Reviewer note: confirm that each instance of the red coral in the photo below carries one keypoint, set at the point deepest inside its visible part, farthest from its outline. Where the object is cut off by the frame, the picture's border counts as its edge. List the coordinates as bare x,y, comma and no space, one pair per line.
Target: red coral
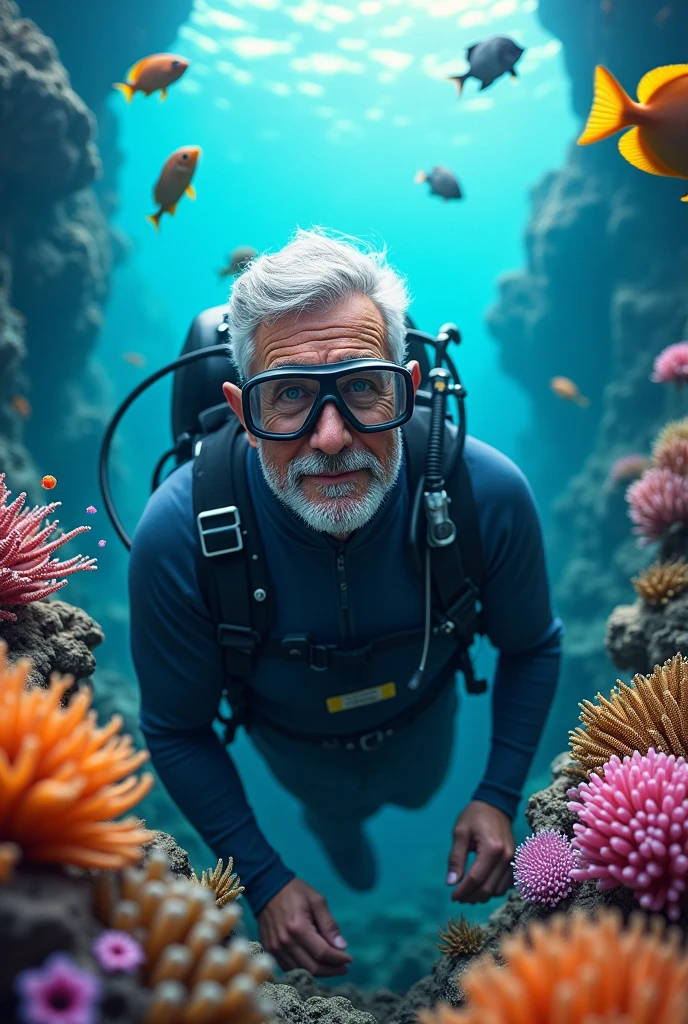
27,572
657,501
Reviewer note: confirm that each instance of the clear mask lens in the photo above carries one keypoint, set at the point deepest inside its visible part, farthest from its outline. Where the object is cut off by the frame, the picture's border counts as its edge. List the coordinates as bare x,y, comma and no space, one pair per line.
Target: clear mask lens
373,397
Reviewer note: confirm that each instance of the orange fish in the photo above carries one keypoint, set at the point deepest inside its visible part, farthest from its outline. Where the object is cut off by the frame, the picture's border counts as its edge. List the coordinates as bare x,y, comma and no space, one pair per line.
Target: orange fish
658,142
135,358
48,482
22,406
152,73
174,181
565,388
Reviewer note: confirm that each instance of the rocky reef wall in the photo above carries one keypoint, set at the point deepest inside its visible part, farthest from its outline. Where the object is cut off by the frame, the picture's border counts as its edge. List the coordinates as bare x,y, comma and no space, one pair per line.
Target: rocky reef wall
603,291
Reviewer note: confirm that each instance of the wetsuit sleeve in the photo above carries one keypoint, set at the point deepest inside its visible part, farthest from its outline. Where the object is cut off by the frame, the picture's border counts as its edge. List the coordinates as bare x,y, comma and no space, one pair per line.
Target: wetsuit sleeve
180,673
519,622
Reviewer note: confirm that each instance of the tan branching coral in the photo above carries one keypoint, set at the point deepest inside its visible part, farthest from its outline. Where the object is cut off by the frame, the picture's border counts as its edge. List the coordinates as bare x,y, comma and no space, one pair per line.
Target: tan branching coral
195,978
673,455
460,938
651,711
675,430
661,582
224,885
10,854
63,779
573,970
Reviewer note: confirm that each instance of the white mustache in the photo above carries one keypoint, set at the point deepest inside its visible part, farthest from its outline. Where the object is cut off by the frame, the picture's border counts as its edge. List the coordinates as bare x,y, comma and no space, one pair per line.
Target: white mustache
346,461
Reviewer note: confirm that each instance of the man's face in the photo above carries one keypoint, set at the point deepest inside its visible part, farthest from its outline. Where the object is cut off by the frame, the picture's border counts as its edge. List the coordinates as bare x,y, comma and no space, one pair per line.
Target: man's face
333,476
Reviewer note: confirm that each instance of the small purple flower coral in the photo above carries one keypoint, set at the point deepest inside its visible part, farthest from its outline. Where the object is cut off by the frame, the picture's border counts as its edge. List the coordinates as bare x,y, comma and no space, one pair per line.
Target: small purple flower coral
671,365
118,951
542,867
58,992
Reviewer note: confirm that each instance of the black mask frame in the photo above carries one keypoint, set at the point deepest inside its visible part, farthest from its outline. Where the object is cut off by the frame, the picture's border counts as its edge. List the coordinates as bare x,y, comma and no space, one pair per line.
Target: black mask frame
326,374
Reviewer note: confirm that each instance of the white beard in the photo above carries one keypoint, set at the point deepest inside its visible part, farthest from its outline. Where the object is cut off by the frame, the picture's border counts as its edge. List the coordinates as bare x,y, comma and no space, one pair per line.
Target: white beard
339,512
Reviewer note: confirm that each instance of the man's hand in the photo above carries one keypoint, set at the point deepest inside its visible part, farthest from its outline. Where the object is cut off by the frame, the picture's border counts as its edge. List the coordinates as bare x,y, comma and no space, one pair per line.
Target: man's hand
486,830
298,929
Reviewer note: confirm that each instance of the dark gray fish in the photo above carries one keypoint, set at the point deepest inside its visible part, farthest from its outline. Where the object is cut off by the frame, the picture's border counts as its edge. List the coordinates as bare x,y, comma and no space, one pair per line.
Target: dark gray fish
238,260
442,183
489,60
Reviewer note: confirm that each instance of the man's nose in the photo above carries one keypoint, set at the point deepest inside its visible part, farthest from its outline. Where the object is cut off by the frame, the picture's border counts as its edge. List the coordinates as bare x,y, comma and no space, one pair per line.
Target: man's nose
331,432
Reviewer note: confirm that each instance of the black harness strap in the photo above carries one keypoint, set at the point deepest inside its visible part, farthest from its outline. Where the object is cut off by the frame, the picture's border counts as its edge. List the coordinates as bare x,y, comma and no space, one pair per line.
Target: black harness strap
236,587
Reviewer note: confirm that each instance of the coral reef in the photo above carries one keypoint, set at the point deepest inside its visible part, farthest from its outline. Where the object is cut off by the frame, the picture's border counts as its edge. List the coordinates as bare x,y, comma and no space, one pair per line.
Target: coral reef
627,467
62,779
661,582
671,365
657,501
26,570
542,868
639,636
223,884
633,829
650,712
460,937
561,972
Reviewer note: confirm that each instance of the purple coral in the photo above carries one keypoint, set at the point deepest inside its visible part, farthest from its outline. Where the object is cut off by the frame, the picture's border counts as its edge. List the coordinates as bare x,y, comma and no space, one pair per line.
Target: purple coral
657,501
542,867
633,828
27,572
671,365
58,992
118,951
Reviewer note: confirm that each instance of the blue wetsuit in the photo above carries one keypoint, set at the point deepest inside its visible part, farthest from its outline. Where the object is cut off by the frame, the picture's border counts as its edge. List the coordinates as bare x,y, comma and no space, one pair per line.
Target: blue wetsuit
346,594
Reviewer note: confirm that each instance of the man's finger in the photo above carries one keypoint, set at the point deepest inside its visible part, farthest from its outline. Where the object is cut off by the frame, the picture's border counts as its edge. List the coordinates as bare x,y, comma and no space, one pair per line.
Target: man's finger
458,856
317,948
326,924
479,871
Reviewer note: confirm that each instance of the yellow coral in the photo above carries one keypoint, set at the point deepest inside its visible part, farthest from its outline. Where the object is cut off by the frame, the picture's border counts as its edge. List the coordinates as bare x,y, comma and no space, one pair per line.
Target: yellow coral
673,431
461,938
573,970
673,455
62,779
194,977
224,885
661,582
650,712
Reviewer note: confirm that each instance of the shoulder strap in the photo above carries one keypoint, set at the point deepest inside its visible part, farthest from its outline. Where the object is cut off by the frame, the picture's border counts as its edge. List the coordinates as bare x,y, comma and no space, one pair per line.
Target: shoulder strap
231,568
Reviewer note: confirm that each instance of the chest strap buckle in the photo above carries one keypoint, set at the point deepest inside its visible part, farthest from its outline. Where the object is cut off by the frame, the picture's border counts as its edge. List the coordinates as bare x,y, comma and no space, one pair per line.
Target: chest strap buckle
299,648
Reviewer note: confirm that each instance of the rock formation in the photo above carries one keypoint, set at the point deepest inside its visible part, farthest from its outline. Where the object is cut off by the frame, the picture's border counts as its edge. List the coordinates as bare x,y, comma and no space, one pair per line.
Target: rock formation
602,293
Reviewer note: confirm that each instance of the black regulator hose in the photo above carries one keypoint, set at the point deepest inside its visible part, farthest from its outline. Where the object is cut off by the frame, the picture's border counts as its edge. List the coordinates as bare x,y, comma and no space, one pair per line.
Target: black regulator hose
103,470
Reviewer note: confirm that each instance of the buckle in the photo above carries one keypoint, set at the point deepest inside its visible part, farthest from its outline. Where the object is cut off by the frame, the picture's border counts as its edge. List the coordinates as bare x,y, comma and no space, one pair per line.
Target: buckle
242,638
371,740
227,527
462,613
317,655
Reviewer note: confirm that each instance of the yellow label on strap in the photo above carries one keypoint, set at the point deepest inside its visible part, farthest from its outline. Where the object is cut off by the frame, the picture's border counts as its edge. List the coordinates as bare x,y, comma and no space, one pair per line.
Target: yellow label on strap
359,698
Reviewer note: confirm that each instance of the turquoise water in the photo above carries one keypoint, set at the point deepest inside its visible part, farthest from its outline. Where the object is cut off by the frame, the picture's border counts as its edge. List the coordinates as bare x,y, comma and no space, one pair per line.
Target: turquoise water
316,113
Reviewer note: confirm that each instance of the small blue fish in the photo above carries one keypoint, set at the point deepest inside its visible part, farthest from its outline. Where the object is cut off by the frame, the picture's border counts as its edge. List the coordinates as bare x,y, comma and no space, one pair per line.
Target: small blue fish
489,60
442,183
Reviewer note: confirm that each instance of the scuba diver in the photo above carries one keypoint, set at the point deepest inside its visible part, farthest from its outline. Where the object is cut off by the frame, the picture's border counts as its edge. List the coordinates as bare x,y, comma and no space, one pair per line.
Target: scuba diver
319,566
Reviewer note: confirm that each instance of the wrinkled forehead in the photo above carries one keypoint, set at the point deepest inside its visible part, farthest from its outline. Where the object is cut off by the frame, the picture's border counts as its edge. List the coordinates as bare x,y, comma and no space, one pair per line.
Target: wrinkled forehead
353,328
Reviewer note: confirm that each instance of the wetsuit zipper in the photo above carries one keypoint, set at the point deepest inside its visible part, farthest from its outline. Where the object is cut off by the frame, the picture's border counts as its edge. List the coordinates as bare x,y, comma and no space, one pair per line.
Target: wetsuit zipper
343,589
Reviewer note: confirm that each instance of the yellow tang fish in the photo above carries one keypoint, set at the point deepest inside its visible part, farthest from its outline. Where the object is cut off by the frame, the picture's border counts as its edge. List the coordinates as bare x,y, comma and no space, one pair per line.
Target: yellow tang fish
174,181
152,73
565,388
658,142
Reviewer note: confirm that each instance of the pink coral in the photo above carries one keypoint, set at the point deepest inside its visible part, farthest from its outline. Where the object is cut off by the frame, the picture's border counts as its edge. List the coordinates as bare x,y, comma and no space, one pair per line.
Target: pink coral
26,571
118,951
633,828
542,867
59,992
628,467
671,365
657,501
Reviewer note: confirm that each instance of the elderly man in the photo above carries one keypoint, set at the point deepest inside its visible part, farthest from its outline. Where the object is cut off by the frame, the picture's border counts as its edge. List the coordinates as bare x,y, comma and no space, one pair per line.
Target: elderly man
325,469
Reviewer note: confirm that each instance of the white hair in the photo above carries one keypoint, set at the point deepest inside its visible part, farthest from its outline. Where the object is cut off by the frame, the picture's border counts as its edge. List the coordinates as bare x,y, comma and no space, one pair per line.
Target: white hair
314,271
